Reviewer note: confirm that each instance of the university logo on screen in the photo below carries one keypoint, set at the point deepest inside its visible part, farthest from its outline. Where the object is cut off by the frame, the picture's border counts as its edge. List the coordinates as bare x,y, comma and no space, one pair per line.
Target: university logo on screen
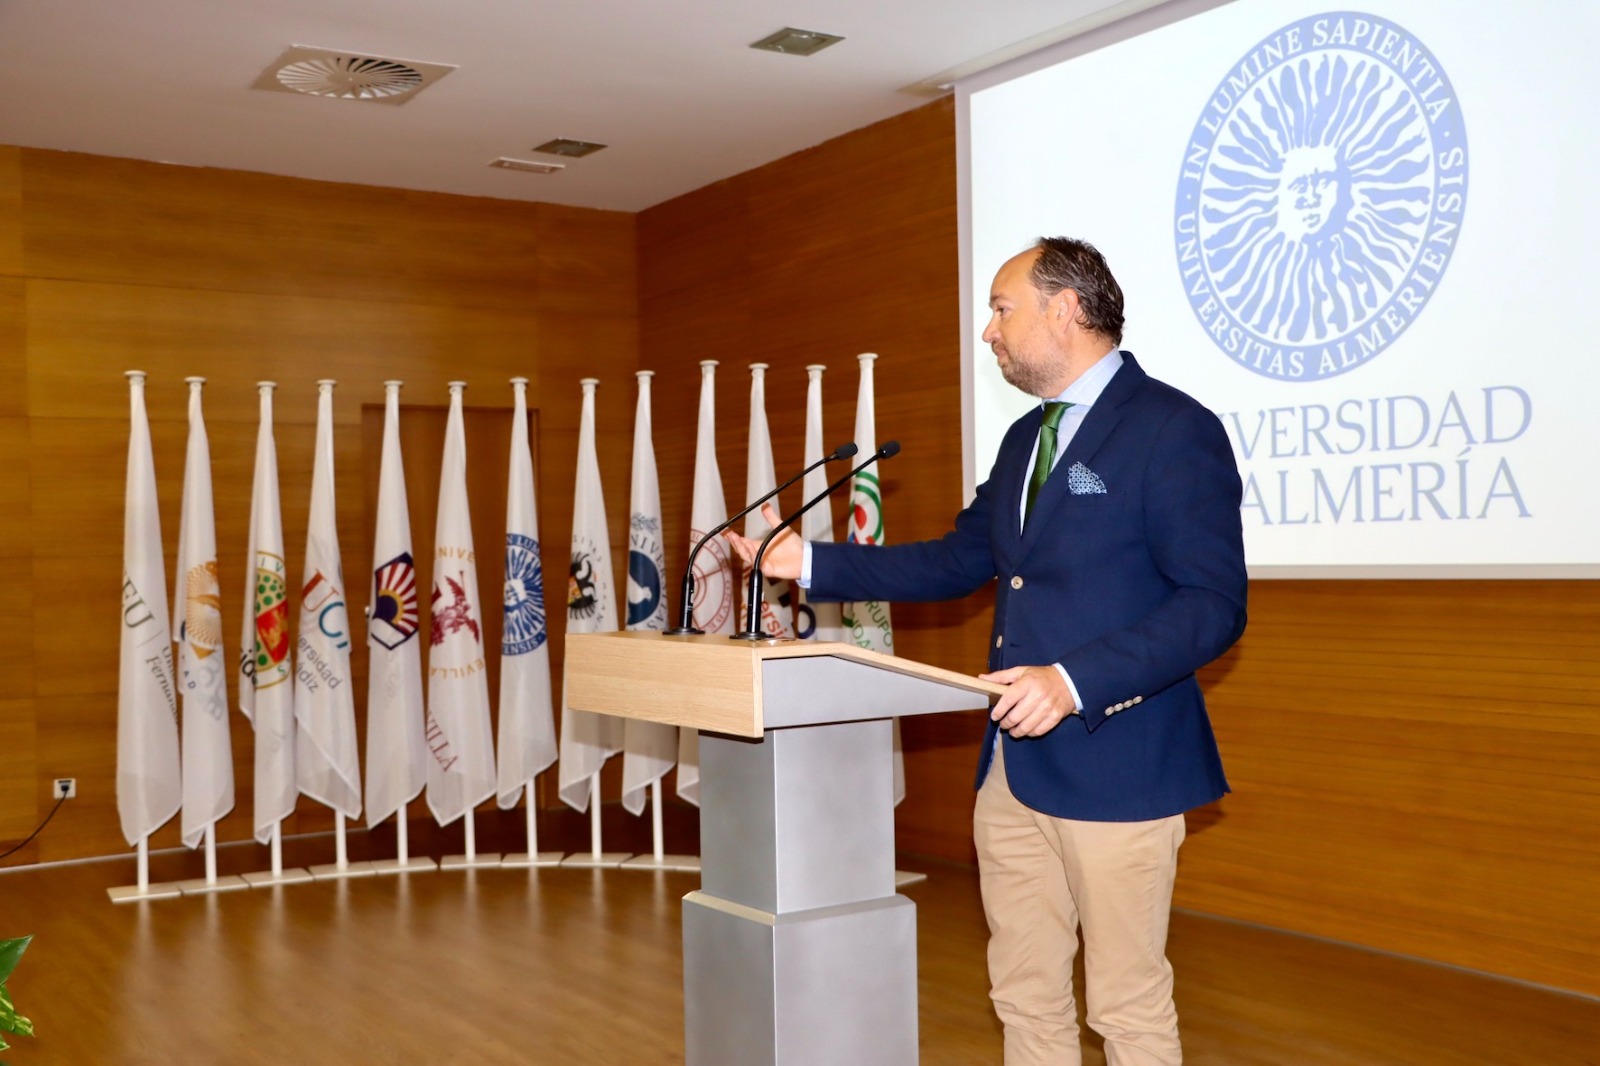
1320,196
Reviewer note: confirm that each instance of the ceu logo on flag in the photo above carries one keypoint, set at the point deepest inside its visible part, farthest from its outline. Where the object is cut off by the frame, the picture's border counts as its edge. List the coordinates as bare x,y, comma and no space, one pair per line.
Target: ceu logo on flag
271,660
394,608
644,578
1321,196
524,598
583,591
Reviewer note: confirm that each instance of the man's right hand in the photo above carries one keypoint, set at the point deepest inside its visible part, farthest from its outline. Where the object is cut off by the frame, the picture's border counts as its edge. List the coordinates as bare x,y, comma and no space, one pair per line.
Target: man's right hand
784,554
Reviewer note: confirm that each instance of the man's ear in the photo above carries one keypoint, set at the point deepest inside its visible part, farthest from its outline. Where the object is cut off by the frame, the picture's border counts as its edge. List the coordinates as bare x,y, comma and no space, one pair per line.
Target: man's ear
1062,310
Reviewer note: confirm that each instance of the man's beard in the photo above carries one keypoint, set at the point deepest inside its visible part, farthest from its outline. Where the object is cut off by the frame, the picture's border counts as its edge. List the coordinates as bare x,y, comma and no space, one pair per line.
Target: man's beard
1033,378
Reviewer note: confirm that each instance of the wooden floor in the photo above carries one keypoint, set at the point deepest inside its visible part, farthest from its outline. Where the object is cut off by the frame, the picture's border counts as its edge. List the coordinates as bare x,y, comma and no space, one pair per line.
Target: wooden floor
565,966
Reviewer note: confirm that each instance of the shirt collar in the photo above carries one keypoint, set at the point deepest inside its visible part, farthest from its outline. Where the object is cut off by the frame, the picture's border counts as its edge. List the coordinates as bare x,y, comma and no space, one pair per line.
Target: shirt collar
1092,382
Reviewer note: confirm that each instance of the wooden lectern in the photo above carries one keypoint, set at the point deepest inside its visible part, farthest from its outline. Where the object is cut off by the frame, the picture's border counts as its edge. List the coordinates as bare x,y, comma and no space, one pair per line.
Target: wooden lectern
796,949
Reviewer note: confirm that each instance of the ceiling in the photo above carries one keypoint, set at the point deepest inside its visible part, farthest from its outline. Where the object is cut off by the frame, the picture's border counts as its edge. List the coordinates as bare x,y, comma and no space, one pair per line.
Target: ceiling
672,87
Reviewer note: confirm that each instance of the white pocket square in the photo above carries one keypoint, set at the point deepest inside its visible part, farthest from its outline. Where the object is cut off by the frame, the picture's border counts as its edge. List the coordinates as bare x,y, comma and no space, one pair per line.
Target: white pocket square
1081,481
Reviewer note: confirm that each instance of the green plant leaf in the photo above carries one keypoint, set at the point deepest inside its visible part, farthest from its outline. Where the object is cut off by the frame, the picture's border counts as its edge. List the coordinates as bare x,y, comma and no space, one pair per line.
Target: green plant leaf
10,954
10,1020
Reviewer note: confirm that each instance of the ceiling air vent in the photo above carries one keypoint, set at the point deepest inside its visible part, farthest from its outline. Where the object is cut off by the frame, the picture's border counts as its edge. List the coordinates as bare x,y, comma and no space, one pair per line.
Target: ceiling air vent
793,42
527,165
348,75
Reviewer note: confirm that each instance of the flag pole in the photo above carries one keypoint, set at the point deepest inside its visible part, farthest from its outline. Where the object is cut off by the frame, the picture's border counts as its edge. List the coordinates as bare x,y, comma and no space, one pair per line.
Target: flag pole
207,748
149,778
588,740
527,736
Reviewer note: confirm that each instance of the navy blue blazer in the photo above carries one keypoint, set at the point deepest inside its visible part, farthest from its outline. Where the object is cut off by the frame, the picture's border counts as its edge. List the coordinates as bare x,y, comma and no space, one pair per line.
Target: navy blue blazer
1131,590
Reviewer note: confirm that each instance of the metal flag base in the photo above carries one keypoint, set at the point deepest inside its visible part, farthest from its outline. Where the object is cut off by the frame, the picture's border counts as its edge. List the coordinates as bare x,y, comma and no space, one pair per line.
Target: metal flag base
130,893
199,886
521,859
686,863
470,862
333,871
268,878
907,877
419,864
604,860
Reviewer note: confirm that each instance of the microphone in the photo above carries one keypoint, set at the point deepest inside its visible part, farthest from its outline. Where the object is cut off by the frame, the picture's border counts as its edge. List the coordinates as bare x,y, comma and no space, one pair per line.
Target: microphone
753,597
686,614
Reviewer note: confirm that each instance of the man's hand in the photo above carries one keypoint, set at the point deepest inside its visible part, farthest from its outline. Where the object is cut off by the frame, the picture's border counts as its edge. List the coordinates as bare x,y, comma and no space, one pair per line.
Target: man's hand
1035,701
784,554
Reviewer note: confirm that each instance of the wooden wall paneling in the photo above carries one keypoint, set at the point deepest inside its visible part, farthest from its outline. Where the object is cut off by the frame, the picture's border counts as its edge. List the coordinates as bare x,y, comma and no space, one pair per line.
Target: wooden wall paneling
81,337
10,211
13,343
240,277
94,218
20,803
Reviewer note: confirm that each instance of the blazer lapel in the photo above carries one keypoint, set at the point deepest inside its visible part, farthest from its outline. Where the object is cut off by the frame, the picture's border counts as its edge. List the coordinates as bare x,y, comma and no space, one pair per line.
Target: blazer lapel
1097,426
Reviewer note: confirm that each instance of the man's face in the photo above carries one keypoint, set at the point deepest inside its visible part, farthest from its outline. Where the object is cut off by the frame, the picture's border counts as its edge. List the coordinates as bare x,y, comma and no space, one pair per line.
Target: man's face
1028,352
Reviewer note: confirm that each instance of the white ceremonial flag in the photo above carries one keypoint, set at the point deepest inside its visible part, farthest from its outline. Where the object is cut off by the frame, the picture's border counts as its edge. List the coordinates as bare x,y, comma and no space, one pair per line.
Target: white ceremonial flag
197,625
816,621
648,748
266,672
777,614
527,719
395,746
867,624
713,568
149,786
461,771
588,739
327,760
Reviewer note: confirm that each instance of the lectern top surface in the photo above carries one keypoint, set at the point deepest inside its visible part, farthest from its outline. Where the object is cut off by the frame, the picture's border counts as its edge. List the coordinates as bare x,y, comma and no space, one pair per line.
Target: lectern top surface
711,682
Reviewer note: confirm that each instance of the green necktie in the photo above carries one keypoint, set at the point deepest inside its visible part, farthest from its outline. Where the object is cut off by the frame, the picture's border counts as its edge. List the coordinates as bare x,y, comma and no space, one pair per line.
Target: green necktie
1047,450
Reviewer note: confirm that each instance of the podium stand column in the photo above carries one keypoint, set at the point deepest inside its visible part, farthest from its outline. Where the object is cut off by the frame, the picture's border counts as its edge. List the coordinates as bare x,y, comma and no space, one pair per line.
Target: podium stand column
797,951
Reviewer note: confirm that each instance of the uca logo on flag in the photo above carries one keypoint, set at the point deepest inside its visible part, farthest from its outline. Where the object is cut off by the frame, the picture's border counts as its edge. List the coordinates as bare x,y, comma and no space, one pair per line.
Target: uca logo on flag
524,596
1321,195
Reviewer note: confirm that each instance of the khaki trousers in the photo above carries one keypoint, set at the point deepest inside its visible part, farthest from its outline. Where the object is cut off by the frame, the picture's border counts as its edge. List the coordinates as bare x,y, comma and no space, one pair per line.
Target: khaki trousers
1042,878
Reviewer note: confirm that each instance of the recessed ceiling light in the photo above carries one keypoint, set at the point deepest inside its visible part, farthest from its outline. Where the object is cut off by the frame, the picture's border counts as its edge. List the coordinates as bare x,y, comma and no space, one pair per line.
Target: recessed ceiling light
348,75
527,165
793,42
568,147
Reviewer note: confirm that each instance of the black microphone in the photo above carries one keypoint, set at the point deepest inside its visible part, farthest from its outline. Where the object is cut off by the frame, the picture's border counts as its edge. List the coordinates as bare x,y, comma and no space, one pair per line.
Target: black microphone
686,615
753,591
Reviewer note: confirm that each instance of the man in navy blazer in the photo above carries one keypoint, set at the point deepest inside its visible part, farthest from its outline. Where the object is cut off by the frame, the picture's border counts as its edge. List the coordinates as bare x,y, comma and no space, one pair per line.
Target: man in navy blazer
1111,519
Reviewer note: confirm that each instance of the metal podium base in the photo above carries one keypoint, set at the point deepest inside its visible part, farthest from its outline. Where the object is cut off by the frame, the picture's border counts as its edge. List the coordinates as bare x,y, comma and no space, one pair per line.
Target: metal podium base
835,985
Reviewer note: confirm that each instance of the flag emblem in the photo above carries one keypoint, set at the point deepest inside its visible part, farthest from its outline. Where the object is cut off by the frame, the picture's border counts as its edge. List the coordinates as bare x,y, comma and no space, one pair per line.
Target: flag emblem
713,596
644,576
272,621
394,606
524,596
202,610
582,598
866,515
457,614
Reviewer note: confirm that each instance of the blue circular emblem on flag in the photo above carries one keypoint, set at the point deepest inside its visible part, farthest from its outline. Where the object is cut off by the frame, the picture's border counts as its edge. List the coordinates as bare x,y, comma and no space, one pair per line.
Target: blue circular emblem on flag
644,587
1321,195
524,596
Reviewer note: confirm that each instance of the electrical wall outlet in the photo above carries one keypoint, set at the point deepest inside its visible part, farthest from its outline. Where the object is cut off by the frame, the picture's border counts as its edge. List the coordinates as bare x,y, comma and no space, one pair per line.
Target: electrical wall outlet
66,787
